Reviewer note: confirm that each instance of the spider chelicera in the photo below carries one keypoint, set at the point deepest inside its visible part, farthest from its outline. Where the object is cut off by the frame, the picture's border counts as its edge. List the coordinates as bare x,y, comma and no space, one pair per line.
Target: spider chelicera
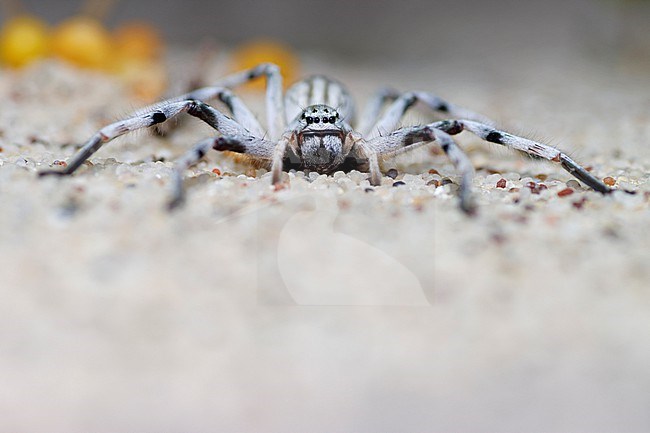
310,128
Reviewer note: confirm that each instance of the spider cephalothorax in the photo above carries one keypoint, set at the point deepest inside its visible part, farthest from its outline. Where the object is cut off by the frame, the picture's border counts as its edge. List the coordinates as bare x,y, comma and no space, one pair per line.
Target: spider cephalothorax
321,138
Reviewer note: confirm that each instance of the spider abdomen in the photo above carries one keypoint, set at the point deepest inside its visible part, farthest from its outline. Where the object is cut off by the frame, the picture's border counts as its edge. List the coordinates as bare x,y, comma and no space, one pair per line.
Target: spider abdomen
319,90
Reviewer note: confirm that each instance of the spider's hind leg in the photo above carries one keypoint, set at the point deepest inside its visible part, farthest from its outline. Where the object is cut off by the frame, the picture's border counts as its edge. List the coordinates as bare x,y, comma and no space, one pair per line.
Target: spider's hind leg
401,104
221,90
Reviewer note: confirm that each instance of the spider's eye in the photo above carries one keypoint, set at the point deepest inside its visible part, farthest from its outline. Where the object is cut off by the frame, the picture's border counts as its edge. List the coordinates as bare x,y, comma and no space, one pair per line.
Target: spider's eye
325,120
332,119
316,119
310,119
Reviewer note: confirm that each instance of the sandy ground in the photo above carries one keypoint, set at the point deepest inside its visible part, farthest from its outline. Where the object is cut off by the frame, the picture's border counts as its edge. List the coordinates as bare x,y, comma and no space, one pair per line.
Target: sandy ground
325,307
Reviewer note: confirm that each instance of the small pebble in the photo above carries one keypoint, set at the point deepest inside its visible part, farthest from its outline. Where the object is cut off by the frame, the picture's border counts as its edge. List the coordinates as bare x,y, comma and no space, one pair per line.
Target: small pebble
216,171
565,192
498,238
573,184
369,190
356,176
434,182
446,181
399,183
451,188
580,203
542,177
610,181
536,188
392,173
413,179
502,183
433,171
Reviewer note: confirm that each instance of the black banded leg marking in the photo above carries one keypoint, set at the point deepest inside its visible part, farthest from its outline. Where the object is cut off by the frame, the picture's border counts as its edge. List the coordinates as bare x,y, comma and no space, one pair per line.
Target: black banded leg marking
396,111
186,161
402,140
463,165
154,116
274,102
406,139
582,174
247,144
240,112
537,150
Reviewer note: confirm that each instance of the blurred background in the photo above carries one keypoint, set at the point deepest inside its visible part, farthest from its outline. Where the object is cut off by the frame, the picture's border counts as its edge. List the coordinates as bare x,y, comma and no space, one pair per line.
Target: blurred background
410,30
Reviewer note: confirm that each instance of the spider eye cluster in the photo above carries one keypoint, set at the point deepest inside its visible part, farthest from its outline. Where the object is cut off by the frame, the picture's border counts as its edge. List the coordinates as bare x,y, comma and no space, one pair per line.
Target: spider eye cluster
318,119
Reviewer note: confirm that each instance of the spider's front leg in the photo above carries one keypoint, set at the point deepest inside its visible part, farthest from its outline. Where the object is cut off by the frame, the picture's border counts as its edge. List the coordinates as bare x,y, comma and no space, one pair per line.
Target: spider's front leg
150,117
530,147
279,153
406,139
256,147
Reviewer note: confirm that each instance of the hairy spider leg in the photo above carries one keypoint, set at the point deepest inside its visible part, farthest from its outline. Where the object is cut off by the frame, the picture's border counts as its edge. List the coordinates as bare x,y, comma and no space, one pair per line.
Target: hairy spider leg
248,144
409,138
391,118
406,139
149,117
